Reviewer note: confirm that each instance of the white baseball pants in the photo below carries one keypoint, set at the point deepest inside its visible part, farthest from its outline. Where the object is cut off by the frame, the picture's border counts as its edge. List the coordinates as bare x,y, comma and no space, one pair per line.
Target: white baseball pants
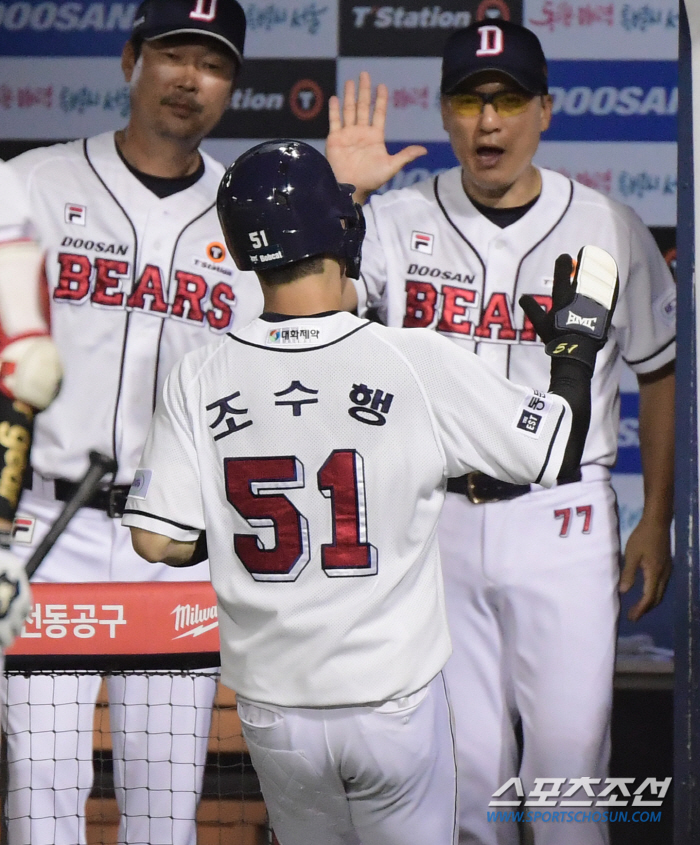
371,775
531,588
159,723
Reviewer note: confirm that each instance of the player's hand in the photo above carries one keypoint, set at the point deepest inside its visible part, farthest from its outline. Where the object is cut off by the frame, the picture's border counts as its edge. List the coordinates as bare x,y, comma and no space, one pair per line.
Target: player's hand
356,147
15,597
30,370
649,550
583,301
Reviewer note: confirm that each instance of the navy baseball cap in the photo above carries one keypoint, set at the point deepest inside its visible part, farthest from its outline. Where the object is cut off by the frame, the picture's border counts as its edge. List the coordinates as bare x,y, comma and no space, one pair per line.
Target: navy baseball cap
220,19
494,45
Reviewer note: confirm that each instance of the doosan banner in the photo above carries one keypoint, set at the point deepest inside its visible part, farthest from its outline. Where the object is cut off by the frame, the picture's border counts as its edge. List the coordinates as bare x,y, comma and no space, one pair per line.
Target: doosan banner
286,28
613,101
64,29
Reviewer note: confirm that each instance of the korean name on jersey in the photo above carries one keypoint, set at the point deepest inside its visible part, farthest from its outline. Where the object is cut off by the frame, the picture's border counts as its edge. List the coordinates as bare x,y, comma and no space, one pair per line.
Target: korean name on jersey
320,486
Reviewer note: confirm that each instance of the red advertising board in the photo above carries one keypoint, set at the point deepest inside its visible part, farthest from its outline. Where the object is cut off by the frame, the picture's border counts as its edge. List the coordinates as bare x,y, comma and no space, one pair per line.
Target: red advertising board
120,618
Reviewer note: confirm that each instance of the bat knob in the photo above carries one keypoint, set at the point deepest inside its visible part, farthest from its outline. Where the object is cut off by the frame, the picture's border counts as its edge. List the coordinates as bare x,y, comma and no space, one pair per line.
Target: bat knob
105,462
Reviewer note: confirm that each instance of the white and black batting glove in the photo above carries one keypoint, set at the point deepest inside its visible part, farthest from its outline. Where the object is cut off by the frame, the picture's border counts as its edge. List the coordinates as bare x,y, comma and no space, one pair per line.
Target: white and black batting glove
15,597
583,302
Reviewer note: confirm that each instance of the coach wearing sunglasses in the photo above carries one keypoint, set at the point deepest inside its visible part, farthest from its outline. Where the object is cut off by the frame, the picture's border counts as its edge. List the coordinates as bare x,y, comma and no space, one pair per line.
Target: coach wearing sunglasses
531,575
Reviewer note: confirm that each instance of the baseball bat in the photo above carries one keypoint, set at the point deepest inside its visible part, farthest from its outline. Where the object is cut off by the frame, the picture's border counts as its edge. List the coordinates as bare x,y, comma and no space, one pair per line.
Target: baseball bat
100,465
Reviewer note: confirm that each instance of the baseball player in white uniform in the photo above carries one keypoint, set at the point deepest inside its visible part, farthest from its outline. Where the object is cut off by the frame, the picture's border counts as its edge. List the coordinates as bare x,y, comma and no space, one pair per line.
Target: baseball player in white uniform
138,274
30,374
531,576
328,476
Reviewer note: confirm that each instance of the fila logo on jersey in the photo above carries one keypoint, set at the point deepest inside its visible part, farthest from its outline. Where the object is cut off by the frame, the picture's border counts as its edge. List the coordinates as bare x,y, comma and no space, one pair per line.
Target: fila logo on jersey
586,322
76,214
107,283
422,242
23,530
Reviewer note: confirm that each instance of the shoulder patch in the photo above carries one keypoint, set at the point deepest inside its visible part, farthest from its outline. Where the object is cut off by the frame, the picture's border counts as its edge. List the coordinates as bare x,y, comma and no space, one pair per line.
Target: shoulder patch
532,414
140,484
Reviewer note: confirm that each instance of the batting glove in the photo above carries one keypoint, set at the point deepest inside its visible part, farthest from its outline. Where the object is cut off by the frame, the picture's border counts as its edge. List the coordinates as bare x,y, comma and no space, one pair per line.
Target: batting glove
30,369
583,302
15,597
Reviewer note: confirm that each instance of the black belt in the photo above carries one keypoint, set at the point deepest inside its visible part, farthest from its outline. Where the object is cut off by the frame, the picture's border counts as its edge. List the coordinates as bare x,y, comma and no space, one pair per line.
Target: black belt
111,501
482,489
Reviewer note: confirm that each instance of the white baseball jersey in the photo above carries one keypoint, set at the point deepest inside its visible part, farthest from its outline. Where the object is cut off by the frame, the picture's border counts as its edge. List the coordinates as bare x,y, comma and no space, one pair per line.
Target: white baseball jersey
431,259
320,485
155,280
532,608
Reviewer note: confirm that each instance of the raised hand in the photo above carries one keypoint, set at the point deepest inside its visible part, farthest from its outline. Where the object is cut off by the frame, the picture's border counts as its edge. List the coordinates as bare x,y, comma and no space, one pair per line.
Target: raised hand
355,146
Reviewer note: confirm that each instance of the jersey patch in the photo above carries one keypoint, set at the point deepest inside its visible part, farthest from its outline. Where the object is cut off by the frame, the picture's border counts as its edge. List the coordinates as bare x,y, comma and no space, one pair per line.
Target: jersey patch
293,336
666,308
23,530
75,214
422,242
532,413
141,483
216,252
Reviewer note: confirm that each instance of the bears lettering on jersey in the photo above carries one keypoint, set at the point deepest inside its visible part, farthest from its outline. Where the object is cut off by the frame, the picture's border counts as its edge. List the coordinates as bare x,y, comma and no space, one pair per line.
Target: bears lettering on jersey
103,280
455,302
449,308
497,319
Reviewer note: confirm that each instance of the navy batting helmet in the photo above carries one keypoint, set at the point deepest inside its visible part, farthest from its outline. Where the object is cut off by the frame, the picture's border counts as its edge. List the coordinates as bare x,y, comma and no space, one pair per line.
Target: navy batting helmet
280,203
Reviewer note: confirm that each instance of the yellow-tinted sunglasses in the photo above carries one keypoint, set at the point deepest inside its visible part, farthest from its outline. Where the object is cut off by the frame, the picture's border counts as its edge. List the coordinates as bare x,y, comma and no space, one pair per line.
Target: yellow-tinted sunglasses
505,103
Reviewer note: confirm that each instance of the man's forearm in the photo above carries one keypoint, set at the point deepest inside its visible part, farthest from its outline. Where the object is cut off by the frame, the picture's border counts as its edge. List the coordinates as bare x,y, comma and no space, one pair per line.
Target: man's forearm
656,442
156,548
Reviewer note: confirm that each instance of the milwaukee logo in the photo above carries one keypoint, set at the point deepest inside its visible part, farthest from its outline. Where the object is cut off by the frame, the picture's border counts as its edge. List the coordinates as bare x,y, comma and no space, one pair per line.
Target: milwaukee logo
195,620
587,322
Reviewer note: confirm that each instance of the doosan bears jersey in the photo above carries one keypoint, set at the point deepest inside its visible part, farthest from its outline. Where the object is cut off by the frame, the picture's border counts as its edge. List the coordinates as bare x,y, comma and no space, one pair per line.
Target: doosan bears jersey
320,484
431,259
151,297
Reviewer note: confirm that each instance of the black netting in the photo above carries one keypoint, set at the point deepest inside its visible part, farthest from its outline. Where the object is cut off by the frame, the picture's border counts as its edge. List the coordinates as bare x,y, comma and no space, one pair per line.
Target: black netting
141,742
